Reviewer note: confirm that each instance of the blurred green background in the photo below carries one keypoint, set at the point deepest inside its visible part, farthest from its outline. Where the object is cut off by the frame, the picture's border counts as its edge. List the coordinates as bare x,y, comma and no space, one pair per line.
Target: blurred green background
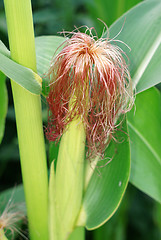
138,216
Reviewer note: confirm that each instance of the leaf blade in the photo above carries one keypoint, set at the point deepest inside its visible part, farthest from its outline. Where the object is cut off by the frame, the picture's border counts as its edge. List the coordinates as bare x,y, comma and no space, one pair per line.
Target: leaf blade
46,47
23,76
145,134
104,194
137,25
4,50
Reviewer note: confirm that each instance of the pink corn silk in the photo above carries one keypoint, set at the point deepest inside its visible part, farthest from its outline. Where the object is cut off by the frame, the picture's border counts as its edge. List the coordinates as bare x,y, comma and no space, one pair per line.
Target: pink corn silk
94,74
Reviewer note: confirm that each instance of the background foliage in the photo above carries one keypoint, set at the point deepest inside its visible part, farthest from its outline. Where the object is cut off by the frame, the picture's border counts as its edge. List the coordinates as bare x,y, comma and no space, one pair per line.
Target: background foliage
137,217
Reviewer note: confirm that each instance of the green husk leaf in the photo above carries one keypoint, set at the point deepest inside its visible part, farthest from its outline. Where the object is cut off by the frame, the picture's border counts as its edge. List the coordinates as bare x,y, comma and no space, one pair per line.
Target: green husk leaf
108,183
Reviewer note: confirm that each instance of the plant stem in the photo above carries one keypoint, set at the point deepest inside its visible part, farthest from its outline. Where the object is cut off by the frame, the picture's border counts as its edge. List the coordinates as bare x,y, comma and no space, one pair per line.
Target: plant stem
29,119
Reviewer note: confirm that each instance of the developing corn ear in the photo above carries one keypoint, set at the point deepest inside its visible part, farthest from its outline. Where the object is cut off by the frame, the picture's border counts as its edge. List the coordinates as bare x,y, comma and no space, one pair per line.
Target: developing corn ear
90,86
95,72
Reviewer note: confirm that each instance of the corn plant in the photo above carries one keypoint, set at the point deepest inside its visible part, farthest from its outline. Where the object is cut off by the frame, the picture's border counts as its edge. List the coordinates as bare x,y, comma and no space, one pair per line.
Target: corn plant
103,119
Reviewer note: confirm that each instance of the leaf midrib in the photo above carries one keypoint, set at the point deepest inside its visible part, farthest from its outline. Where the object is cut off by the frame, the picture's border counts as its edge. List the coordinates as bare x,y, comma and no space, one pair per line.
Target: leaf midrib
146,60
145,142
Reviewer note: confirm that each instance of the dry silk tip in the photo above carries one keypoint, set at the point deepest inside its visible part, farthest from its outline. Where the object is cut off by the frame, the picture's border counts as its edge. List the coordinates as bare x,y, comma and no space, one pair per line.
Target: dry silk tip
93,73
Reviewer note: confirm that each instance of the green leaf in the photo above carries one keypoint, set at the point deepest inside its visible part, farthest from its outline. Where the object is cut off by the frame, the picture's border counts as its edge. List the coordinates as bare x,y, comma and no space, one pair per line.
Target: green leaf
4,50
20,74
156,216
25,77
53,152
117,226
108,183
46,47
3,24
3,104
145,138
108,11
142,33
14,195
44,16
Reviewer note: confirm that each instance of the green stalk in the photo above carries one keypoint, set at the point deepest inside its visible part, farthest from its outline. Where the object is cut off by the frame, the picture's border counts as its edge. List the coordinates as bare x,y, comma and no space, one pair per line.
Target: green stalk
29,119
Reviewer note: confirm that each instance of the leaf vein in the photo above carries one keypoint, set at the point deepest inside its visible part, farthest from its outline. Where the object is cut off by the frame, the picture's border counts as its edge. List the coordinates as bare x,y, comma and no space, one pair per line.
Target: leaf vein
141,69
145,142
